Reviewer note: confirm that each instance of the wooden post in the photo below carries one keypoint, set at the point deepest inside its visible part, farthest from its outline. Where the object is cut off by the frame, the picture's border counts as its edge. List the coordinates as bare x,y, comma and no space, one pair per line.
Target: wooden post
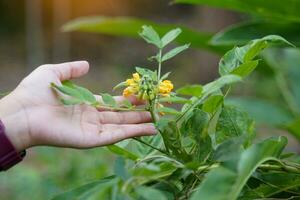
34,34
61,41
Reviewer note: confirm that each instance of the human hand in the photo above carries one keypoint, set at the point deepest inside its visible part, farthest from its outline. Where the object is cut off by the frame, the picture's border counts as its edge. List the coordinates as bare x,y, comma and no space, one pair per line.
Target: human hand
33,115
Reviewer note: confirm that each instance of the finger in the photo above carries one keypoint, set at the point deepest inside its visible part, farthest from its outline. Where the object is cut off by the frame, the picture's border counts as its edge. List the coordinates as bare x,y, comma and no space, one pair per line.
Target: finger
119,99
131,117
116,133
70,70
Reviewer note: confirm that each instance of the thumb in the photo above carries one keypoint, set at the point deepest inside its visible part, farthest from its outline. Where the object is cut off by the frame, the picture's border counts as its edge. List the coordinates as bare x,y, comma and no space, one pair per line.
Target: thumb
71,70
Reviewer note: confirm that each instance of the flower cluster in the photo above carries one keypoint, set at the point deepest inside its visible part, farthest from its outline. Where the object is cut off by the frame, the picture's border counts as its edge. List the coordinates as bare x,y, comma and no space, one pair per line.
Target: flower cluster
165,88
146,88
132,85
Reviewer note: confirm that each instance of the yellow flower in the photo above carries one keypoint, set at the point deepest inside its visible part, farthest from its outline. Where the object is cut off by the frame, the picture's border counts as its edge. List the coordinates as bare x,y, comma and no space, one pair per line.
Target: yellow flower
165,87
129,82
132,85
130,91
134,80
136,77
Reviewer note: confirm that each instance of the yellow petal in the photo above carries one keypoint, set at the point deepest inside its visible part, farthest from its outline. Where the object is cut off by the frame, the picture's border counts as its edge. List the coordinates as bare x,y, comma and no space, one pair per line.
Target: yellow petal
129,81
136,77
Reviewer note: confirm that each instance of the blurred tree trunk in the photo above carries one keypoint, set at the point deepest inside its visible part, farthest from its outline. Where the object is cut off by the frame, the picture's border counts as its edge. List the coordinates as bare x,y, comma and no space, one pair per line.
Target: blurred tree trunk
61,41
34,34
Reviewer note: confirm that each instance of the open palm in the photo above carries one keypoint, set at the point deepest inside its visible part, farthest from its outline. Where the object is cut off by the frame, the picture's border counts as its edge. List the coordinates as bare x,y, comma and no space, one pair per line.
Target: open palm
48,122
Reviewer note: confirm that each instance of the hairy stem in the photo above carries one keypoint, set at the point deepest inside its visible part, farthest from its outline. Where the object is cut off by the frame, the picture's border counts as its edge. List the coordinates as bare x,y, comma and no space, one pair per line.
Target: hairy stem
274,167
120,109
285,168
159,64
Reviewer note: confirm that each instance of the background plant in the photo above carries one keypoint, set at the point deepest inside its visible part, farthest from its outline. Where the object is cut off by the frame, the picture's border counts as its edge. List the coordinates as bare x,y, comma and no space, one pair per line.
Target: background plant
262,18
204,149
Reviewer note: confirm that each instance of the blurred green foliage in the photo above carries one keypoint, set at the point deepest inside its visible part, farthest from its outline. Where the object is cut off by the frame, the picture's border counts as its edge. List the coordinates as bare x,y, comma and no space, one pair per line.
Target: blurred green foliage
49,171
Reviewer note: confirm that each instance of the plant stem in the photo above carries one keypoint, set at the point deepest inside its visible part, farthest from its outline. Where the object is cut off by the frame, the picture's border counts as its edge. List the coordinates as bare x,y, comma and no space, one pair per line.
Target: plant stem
120,109
149,145
283,167
152,110
274,167
158,81
159,65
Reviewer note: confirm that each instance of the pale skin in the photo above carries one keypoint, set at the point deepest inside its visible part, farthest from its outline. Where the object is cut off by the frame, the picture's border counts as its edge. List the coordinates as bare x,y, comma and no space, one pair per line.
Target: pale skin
33,115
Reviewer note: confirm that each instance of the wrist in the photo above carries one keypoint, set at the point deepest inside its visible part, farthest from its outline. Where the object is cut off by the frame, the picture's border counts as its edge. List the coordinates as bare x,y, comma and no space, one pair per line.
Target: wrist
13,117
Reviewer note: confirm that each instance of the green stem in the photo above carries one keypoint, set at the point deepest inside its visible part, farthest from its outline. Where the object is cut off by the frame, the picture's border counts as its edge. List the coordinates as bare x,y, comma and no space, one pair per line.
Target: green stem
154,103
152,110
285,168
120,109
159,64
274,167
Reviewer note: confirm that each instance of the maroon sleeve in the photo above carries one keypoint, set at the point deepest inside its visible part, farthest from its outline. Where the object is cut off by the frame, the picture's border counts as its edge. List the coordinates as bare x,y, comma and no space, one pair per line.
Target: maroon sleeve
8,154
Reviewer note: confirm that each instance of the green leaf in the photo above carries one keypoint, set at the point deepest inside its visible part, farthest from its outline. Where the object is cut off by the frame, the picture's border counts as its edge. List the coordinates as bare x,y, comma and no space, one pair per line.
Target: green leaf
146,72
69,102
168,110
245,69
127,103
195,124
108,100
212,103
122,152
151,36
82,192
196,127
143,150
230,149
149,193
67,91
172,138
226,181
190,90
85,93
219,83
276,10
170,36
275,183
208,90
233,123
241,33
239,59
174,52
129,27
78,93
166,75
174,99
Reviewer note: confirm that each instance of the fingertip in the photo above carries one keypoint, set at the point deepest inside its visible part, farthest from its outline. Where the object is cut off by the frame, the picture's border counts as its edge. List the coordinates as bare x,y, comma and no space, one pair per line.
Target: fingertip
134,100
151,130
83,65
69,70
